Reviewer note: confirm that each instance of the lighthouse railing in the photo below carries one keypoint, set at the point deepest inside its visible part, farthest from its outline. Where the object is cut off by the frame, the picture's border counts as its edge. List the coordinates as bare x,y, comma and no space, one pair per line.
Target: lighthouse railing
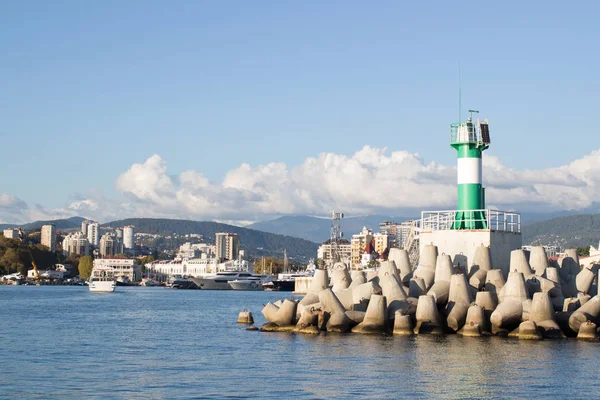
495,220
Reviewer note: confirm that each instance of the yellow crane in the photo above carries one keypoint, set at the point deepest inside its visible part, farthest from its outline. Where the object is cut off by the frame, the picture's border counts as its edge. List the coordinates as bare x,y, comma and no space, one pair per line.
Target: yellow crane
24,240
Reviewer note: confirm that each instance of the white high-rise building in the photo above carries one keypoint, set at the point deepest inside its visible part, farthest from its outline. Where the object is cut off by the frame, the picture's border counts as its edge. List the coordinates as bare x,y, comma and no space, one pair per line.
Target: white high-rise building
93,233
49,236
343,248
84,227
227,246
76,243
11,233
128,237
110,245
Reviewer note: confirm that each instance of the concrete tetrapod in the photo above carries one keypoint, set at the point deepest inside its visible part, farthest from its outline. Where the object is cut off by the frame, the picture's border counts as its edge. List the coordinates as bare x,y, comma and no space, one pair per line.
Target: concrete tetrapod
515,287
587,331
441,286
584,280
375,316
428,318
245,317
388,268
538,260
417,287
519,263
587,312
542,313
569,265
396,296
340,279
571,304
494,281
459,299
402,260
402,324
527,330
358,278
583,298
338,320
475,322
426,268
482,263
556,294
307,323
319,282
281,317
488,301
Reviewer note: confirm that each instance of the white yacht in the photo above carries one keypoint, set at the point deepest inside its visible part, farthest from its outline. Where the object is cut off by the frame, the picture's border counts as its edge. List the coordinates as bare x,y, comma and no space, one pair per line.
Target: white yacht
220,281
250,283
102,280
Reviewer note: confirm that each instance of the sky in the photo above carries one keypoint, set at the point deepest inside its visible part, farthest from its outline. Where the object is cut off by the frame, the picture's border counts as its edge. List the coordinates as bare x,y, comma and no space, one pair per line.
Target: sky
242,111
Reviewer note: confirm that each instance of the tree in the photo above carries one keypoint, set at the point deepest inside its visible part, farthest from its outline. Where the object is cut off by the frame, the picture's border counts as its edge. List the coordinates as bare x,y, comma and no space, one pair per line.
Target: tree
85,267
583,251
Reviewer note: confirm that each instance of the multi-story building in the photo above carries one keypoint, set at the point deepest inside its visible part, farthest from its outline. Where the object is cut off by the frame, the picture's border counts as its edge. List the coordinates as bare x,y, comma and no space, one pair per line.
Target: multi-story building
11,233
390,228
380,243
344,249
227,246
124,267
110,245
358,244
76,243
84,227
119,233
93,233
128,238
49,237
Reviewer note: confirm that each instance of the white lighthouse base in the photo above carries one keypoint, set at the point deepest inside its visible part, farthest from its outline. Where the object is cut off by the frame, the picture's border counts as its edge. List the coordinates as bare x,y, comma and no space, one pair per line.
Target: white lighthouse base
461,244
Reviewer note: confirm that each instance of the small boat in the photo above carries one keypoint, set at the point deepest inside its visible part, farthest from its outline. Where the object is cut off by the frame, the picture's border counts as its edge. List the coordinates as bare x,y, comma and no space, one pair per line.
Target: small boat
124,281
150,282
220,281
250,283
178,282
102,280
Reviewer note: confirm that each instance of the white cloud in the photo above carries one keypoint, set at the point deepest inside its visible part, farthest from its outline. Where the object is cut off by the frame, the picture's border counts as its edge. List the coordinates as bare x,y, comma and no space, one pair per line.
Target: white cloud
373,180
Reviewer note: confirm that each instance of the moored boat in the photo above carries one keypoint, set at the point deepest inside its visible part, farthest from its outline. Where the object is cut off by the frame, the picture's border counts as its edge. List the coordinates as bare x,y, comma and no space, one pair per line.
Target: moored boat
102,280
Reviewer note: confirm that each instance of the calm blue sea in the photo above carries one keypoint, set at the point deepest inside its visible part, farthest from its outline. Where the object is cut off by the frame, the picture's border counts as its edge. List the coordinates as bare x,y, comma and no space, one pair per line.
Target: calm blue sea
156,343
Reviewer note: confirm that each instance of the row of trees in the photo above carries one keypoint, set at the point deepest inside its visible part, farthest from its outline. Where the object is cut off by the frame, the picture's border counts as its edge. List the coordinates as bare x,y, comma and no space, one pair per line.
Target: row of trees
15,257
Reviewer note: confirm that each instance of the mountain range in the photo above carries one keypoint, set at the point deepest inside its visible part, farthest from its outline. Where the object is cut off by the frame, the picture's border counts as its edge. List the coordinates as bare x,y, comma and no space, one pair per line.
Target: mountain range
300,235
318,229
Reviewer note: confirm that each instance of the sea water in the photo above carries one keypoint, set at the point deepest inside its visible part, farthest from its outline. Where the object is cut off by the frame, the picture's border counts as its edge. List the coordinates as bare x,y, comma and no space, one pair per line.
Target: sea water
155,343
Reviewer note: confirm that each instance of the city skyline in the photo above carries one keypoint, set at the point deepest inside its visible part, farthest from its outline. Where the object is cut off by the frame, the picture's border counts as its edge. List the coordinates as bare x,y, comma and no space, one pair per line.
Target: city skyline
247,112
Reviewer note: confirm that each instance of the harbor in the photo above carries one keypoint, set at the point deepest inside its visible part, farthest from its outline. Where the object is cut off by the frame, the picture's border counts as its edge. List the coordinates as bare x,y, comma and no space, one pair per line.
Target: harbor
151,342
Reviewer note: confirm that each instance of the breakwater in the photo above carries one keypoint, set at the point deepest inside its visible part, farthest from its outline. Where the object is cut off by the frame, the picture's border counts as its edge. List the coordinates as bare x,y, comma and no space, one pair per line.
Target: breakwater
536,299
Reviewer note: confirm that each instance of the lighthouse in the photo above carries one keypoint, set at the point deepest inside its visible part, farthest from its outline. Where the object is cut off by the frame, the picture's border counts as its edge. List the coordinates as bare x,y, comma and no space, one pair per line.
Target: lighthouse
470,139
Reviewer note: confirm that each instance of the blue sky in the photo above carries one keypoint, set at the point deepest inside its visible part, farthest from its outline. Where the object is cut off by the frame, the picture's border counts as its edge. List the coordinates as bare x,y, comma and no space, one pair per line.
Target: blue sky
91,88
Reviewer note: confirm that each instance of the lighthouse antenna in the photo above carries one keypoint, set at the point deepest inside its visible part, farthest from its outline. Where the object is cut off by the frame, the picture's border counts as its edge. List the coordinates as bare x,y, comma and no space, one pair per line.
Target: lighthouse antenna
459,94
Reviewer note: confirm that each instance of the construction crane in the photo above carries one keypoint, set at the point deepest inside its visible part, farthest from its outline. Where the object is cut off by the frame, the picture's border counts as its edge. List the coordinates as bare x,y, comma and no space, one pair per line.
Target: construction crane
24,240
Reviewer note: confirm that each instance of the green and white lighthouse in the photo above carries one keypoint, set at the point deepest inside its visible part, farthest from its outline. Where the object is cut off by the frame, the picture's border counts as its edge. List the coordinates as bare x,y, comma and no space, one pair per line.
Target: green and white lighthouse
470,139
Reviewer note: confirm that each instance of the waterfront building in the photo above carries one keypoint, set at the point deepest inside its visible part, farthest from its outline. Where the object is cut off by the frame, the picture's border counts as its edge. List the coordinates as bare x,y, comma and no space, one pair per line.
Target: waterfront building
123,267
11,233
344,249
48,237
110,245
93,233
76,243
360,241
227,246
128,237
196,267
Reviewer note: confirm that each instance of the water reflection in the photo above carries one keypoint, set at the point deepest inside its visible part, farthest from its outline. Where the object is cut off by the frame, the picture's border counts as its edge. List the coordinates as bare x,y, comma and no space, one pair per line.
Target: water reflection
185,344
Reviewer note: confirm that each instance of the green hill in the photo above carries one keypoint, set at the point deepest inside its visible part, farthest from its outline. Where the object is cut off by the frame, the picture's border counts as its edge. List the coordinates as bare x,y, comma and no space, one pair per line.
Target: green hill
257,242
568,232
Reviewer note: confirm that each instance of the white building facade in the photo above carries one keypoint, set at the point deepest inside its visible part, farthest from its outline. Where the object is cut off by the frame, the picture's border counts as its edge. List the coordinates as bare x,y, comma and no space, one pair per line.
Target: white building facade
11,233
123,267
48,237
76,243
93,233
